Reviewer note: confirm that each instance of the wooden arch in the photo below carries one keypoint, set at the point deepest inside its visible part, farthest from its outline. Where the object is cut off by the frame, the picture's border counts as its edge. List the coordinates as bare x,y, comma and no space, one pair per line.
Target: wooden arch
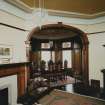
81,34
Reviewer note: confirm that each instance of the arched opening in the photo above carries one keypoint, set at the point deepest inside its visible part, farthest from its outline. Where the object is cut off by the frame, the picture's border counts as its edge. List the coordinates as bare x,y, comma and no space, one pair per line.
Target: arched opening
54,36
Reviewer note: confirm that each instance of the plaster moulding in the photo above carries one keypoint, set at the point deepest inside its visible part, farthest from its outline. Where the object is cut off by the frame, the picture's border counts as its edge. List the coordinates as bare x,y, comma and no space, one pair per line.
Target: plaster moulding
53,15
21,5
75,14
26,8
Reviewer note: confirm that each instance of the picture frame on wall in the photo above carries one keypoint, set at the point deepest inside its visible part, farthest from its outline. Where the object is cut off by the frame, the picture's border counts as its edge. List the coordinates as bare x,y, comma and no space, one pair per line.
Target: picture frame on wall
6,52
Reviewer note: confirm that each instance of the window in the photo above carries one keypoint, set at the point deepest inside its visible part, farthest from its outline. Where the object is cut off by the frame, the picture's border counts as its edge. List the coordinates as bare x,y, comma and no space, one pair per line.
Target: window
67,56
45,45
66,44
47,55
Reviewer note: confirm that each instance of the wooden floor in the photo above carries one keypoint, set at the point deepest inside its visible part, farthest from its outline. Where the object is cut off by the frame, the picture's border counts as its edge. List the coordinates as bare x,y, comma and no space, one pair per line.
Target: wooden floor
59,97
66,85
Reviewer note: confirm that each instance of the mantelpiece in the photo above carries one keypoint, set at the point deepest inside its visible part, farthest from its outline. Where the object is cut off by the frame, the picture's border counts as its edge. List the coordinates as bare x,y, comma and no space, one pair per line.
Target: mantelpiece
21,70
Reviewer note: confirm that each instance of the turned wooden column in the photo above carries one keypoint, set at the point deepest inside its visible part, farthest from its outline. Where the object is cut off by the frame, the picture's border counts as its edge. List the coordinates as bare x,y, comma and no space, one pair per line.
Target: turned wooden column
103,71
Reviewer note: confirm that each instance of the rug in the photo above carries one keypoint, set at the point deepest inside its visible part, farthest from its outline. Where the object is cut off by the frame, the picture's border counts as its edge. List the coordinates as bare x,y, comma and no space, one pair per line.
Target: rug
58,97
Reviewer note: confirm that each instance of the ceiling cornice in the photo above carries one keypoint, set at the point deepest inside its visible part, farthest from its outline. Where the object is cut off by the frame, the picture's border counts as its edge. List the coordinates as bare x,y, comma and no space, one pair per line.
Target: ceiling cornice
11,9
21,5
75,15
28,9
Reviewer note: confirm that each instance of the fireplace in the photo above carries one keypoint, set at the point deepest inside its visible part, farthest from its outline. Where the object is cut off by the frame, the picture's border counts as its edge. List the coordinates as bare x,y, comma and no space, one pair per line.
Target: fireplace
10,83
21,70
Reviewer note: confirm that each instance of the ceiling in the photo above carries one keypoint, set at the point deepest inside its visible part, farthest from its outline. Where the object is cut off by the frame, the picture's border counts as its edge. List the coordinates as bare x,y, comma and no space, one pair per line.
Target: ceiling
87,7
79,6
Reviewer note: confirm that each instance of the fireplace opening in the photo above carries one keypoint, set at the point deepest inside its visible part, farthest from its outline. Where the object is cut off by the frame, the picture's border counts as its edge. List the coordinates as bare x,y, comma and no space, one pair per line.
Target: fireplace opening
4,96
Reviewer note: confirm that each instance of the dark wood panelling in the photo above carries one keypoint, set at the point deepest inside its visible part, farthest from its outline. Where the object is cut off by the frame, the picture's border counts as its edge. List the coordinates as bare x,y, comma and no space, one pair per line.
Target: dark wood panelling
79,45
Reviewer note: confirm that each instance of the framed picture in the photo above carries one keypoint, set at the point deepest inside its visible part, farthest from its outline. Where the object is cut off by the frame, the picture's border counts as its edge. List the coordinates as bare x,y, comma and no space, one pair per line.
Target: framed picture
6,51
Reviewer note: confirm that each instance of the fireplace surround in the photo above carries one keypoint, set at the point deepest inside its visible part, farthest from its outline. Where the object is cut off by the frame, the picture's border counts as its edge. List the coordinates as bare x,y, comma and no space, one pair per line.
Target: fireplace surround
10,82
21,70
14,76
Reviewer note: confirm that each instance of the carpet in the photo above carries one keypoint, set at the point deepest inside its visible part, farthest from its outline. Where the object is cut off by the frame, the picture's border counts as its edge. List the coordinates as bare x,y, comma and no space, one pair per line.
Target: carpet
58,97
